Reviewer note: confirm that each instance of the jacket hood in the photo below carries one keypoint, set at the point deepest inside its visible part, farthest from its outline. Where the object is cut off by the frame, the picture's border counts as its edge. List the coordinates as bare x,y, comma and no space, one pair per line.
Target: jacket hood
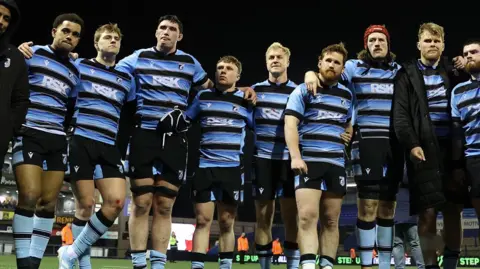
14,23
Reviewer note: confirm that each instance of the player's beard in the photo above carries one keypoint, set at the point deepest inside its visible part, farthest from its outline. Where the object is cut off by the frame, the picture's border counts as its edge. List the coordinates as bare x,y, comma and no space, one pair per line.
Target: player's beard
472,67
329,76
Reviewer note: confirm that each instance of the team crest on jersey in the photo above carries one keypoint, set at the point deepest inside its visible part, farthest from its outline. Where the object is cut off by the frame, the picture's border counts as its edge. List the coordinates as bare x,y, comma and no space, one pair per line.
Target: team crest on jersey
46,62
119,80
70,74
181,66
235,108
344,102
92,71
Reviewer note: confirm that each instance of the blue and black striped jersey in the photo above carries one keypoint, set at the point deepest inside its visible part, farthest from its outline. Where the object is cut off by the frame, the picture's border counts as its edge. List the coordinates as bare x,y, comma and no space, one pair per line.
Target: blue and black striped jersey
323,119
53,80
101,94
465,102
163,82
223,118
269,119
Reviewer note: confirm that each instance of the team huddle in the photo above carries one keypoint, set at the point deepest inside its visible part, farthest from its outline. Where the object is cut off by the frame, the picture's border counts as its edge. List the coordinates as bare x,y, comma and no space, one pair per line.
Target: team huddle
382,114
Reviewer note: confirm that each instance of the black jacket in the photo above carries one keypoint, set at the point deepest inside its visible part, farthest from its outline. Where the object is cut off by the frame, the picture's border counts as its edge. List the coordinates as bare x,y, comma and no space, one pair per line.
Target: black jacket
414,128
14,88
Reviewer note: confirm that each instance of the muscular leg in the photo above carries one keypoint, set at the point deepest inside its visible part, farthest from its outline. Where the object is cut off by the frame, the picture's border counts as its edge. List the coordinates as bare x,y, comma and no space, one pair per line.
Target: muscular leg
52,182
308,201
366,233
162,222
84,192
226,219
385,215
265,210
288,209
113,191
138,220
29,179
427,227
452,221
204,216
330,207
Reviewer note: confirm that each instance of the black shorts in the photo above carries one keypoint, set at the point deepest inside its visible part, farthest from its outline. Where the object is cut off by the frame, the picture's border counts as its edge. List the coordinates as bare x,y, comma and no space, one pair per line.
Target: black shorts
473,177
273,178
40,148
323,176
223,184
91,159
152,154
378,167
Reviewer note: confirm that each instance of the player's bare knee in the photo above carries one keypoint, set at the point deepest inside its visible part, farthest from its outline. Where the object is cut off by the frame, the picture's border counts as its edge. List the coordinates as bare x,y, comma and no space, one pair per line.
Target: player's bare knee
142,207
85,207
164,209
386,210
28,199
367,210
225,223
115,202
86,203
330,221
307,217
203,221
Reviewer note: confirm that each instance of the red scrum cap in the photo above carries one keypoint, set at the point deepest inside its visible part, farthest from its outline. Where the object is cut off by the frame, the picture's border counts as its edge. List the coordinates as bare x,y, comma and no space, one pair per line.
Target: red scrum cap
375,29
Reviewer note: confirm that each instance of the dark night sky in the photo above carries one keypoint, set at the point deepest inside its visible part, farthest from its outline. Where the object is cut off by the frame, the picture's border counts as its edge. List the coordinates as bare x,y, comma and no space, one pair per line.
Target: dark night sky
233,27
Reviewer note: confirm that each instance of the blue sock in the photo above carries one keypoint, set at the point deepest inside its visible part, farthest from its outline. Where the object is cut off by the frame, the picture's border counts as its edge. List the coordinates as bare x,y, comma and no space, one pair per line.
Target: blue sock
198,260
77,228
326,261
264,253
139,259
96,227
293,254
226,259
308,260
384,242
22,234
42,230
450,258
157,259
366,241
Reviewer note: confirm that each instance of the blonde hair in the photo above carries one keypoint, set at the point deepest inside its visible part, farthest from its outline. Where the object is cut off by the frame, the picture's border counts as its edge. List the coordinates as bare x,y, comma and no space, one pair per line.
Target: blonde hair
231,60
432,28
338,48
109,28
278,45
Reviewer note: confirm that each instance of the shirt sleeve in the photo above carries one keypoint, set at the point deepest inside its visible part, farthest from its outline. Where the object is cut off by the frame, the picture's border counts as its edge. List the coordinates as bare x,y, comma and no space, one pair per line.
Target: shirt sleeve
296,102
199,75
128,63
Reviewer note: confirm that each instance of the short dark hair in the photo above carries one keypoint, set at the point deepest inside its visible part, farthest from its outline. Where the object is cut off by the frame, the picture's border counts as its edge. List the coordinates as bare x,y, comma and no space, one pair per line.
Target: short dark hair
338,48
71,17
471,41
172,18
